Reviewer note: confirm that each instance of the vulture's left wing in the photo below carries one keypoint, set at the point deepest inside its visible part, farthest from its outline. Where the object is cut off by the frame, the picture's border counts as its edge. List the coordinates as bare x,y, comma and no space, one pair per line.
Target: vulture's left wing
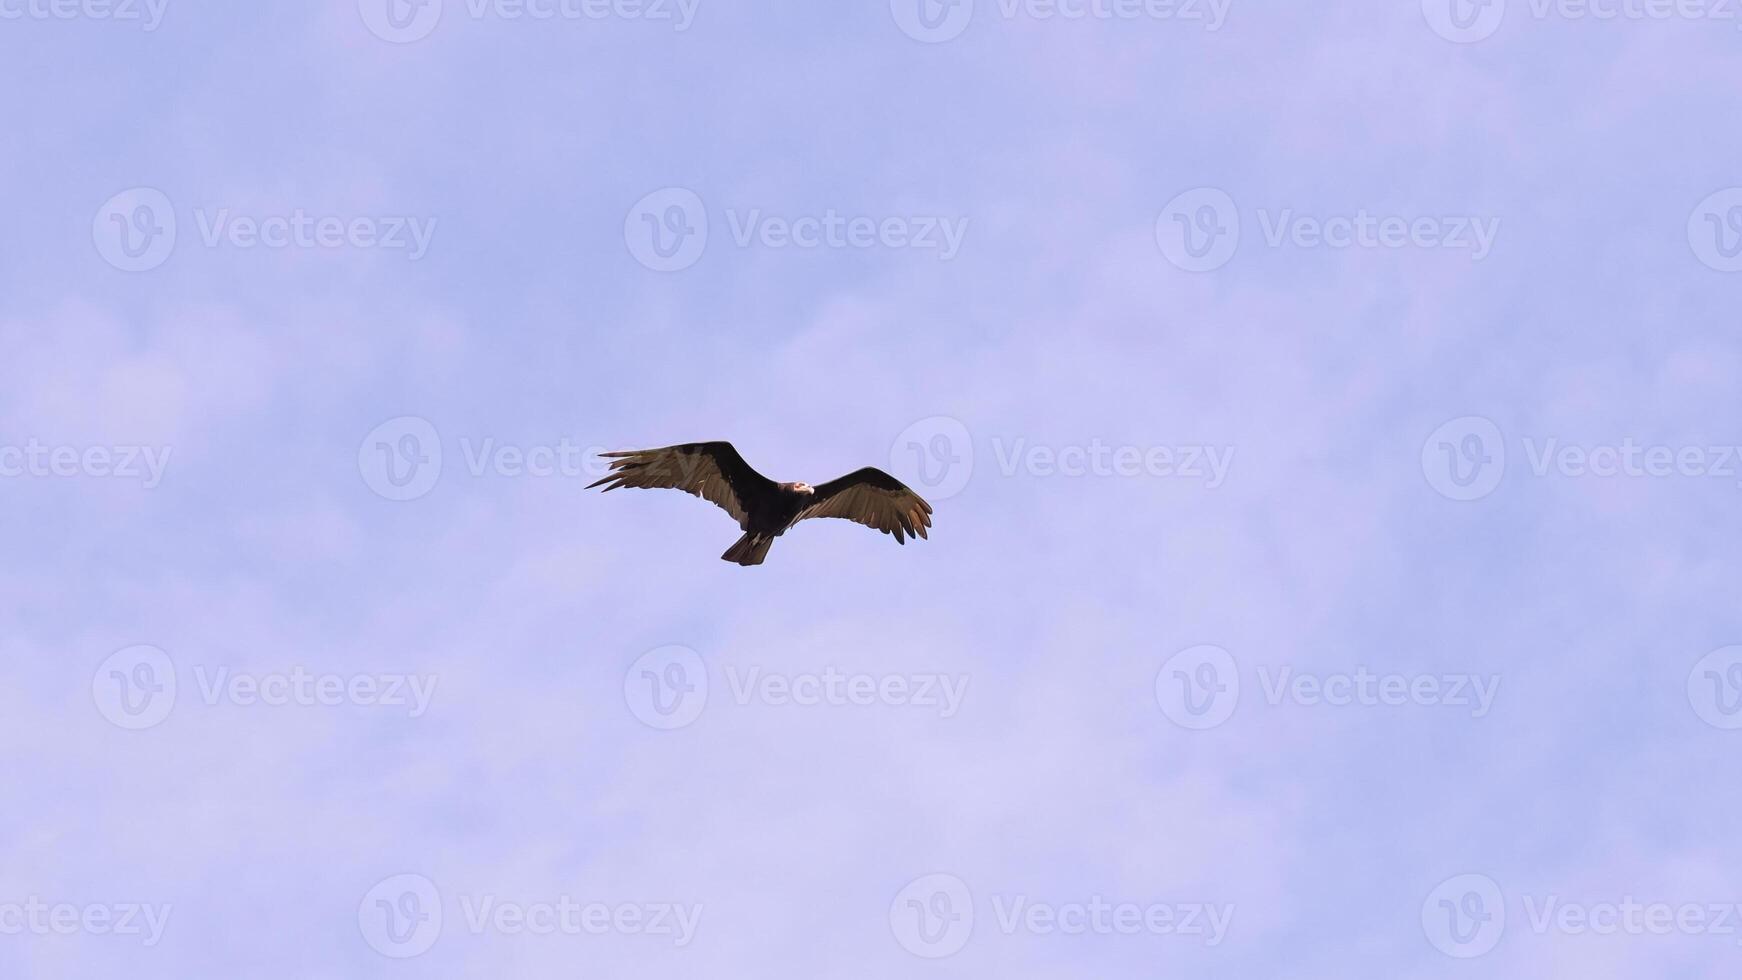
711,470
875,499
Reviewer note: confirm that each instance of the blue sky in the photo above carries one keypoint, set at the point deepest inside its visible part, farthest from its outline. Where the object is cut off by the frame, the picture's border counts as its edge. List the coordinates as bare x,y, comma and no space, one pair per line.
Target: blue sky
1329,415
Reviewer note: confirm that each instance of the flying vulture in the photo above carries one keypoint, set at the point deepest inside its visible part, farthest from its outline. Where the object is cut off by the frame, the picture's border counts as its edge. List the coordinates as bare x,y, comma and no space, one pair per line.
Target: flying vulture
764,509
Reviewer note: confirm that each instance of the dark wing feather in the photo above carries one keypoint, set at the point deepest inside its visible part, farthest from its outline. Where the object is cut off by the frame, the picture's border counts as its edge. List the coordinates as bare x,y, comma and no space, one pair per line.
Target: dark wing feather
875,499
712,471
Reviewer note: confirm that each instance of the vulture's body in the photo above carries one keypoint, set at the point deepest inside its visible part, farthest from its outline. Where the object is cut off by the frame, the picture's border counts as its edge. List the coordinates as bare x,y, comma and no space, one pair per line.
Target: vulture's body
763,508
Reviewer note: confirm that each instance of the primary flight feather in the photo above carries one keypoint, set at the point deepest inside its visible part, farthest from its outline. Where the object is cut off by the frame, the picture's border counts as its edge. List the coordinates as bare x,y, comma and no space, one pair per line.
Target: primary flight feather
763,508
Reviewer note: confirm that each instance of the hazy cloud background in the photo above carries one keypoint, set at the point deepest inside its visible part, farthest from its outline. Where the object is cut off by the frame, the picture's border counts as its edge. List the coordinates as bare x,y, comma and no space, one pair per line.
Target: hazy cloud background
1599,316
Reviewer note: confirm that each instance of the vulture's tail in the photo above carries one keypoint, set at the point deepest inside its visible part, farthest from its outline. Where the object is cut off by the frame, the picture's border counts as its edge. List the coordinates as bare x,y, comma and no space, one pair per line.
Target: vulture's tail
750,549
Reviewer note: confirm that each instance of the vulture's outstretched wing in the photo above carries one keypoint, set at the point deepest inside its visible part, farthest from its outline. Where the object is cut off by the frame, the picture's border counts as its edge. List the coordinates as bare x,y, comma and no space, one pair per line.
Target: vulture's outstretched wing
875,499
711,470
